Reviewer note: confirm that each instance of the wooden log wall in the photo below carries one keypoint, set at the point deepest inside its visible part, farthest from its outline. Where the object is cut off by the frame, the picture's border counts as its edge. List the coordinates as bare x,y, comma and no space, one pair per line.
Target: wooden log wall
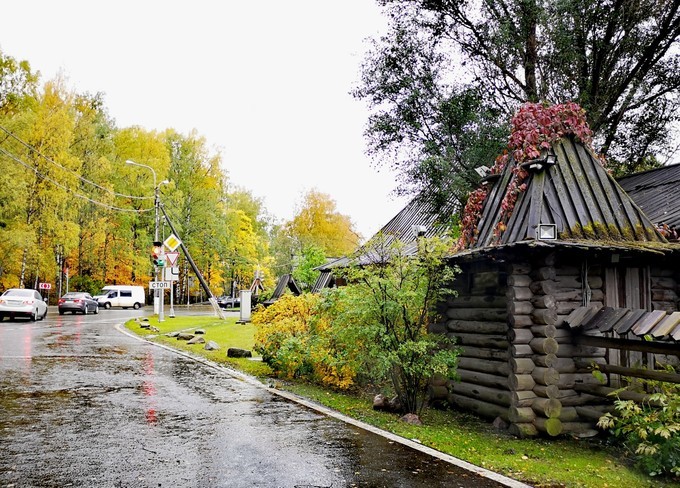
559,287
524,312
477,318
519,361
664,288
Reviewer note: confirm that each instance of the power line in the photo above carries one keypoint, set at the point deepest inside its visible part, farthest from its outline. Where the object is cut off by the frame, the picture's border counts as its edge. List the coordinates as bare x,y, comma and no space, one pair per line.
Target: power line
56,183
28,146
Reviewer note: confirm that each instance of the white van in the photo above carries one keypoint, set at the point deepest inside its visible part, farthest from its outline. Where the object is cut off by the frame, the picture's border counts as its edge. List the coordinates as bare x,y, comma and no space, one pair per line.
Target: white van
125,296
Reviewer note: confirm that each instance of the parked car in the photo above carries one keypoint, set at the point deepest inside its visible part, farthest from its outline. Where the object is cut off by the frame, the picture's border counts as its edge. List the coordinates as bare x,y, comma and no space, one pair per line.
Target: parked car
76,301
20,302
124,296
228,302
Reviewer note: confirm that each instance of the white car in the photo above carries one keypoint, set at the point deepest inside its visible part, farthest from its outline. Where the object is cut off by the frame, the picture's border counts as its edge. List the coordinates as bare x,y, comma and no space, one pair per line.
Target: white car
19,302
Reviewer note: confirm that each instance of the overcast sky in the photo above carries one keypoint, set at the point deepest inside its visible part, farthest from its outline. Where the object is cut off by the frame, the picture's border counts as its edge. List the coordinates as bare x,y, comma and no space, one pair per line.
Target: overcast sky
266,83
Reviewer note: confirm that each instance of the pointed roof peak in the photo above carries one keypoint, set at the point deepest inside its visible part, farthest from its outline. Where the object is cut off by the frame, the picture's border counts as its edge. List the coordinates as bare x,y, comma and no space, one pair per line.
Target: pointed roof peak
551,185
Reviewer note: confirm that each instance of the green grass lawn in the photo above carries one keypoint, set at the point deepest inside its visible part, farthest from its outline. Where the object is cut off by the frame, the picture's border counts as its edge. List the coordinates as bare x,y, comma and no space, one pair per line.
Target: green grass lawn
226,333
563,462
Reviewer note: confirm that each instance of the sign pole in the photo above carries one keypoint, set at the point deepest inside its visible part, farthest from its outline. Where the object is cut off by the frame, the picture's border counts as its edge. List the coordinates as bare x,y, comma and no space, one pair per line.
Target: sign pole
161,291
172,309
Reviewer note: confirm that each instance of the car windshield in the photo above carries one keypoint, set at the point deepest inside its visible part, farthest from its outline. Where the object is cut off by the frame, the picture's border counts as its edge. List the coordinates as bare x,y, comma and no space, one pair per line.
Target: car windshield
18,293
73,295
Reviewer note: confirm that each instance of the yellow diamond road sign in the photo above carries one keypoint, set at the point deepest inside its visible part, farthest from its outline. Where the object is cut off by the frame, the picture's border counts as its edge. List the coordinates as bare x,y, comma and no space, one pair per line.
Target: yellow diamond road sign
172,242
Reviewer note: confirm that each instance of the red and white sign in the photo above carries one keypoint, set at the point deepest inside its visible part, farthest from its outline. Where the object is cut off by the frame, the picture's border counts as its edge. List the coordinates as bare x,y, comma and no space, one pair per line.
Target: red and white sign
172,258
44,286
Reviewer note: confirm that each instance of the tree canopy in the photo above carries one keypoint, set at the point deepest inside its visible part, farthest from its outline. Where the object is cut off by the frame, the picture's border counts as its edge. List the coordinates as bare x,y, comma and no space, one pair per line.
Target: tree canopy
71,207
617,59
318,223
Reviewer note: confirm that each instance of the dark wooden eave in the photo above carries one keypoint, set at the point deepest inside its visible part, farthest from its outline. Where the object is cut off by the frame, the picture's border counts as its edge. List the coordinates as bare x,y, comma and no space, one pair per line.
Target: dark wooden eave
511,250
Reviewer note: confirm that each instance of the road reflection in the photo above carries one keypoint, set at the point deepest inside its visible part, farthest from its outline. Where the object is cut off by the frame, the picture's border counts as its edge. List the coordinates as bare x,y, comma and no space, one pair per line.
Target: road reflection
149,389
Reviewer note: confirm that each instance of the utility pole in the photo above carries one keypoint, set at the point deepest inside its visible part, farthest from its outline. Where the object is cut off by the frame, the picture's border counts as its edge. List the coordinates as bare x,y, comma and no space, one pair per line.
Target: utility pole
204,284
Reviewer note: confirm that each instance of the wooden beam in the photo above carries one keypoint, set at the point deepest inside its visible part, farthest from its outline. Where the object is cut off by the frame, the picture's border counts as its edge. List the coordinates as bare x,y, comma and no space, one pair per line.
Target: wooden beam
628,344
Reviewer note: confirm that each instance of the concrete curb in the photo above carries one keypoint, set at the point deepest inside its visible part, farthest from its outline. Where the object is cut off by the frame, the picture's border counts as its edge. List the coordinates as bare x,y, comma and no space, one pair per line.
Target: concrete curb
504,480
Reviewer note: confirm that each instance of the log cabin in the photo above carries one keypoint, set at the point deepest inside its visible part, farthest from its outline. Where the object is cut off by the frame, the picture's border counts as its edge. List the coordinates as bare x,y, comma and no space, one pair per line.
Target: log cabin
562,274
574,278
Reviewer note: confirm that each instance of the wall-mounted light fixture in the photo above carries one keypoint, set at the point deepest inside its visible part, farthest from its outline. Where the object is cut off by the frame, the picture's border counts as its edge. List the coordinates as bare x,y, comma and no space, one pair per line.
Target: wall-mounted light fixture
546,232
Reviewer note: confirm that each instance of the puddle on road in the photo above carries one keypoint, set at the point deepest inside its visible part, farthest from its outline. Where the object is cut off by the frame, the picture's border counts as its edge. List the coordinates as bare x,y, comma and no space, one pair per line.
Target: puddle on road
156,408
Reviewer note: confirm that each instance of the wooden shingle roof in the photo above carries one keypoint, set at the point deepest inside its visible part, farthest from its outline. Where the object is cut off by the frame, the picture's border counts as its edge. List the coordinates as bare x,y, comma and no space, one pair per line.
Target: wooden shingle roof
576,194
657,193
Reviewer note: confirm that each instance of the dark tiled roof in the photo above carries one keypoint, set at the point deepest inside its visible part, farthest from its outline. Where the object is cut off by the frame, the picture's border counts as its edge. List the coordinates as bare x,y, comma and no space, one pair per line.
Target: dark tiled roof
286,281
657,193
576,194
659,324
325,280
419,212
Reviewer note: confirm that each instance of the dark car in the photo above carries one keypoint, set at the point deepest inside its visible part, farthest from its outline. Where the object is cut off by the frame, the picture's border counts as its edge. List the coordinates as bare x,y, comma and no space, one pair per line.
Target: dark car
77,301
228,302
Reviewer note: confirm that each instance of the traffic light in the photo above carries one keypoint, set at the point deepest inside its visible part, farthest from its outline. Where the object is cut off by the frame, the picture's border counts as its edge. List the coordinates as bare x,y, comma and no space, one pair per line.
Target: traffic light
157,254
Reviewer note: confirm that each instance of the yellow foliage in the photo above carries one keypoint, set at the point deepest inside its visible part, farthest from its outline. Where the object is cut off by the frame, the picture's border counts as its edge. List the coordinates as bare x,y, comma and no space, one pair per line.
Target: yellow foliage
293,337
319,224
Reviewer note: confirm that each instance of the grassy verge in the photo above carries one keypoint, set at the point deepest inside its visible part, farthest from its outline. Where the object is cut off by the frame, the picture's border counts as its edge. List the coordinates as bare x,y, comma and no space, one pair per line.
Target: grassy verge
226,333
540,462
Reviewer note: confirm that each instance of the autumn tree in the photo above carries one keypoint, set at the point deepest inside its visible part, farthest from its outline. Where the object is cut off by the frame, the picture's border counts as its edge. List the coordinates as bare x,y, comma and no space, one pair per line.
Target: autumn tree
193,201
425,127
69,200
93,145
305,274
130,234
18,84
247,241
44,209
318,223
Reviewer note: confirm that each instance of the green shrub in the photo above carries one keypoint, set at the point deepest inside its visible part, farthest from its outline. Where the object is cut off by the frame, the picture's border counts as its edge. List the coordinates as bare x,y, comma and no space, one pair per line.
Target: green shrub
372,331
310,337
650,429
282,334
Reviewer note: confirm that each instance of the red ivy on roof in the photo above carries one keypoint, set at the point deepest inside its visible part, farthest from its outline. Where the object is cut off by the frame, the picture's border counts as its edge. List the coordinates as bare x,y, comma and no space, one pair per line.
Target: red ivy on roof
534,129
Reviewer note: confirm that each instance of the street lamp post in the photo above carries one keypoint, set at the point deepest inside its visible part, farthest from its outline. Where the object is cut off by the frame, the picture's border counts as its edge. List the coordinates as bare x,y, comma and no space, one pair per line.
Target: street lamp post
155,194
157,305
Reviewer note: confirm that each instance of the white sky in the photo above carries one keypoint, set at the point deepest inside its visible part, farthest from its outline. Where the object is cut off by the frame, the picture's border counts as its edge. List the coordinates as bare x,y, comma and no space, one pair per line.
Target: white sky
266,83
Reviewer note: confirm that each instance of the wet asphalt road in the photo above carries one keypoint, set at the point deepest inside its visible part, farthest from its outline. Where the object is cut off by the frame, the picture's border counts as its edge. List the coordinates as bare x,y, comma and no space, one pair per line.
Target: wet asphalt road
82,404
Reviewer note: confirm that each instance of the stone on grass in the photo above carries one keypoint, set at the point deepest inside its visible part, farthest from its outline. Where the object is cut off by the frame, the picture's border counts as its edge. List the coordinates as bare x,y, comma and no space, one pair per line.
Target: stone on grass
500,424
382,403
197,340
145,325
199,331
211,346
411,418
184,336
172,334
235,352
